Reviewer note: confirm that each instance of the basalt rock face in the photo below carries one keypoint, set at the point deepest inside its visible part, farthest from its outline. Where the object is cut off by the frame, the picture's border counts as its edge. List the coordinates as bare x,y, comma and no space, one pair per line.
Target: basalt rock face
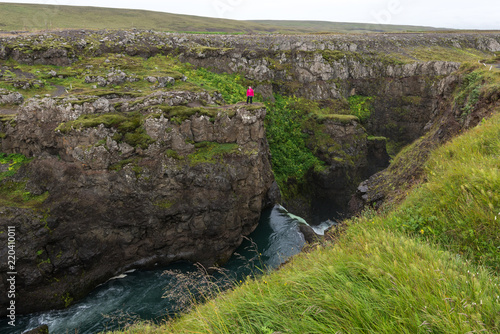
350,157
388,186
191,193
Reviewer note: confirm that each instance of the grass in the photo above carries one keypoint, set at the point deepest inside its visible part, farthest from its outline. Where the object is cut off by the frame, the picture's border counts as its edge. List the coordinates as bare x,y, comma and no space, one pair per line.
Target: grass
468,95
360,106
459,204
371,281
137,69
385,272
37,17
128,126
230,86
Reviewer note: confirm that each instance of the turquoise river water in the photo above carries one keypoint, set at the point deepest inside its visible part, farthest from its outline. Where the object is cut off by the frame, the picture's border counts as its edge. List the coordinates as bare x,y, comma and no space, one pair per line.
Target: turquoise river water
162,293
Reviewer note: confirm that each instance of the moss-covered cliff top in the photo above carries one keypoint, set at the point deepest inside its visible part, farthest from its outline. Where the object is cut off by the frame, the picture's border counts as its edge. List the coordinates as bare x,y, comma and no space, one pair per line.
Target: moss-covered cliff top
416,46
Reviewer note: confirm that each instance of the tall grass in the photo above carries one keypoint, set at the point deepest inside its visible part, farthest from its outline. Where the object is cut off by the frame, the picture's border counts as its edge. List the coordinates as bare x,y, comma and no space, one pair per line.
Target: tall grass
371,281
459,206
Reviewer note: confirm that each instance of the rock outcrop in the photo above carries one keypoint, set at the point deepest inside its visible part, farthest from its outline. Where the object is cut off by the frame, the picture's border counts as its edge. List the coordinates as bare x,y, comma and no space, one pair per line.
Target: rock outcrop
190,190
318,67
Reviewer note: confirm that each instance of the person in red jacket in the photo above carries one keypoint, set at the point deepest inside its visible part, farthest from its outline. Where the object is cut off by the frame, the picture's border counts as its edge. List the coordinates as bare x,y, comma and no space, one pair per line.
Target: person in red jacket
250,95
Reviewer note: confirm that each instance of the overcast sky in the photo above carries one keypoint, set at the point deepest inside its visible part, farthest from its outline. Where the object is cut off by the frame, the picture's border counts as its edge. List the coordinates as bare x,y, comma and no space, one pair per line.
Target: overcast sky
461,14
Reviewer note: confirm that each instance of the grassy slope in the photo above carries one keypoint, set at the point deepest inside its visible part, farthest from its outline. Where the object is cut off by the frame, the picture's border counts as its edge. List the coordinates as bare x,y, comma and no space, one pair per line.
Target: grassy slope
325,26
459,205
24,16
378,279
35,17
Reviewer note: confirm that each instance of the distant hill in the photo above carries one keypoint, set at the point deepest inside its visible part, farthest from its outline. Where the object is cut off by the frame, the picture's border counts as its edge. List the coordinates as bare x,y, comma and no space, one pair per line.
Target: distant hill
325,26
22,17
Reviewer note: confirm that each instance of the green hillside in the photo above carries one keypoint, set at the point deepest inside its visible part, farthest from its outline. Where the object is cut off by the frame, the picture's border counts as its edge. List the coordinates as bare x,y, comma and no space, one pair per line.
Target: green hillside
23,17
345,27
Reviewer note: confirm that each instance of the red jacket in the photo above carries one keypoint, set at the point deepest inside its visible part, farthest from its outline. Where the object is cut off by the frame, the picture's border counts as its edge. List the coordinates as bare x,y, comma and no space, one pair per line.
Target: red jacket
250,92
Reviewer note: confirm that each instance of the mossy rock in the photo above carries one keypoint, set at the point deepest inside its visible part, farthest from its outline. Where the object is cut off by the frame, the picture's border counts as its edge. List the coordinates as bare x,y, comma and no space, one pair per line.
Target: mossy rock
344,119
128,125
211,152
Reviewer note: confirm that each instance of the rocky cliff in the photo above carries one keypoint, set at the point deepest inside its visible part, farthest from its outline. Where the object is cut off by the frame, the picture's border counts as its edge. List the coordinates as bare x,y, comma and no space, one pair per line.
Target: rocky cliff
187,189
401,73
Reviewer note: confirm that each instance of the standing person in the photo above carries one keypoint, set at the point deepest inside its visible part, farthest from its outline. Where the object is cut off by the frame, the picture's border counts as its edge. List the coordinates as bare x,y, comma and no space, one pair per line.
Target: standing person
250,95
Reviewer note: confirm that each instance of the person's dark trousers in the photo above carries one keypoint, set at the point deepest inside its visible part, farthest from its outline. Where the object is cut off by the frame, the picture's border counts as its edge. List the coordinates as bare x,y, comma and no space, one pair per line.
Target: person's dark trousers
249,98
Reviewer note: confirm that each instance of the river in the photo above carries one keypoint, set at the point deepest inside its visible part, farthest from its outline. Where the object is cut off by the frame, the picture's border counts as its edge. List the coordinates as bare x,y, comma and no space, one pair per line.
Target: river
158,294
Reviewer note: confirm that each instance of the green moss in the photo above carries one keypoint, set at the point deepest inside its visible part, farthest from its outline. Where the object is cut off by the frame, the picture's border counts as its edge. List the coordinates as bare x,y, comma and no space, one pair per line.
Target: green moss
92,120
344,119
210,152
14,194
15,161
128,125
67,299
101,142
164,204
119,165
360,107
208,49
333,55
7,118
376,138
173,154
468,93
133,162
138,138
181,113
412,100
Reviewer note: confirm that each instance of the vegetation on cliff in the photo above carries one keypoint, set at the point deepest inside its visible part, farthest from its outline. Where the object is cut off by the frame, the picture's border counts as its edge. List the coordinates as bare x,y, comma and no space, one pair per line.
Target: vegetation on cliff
291,158
13,192
427,263
132,77
116,75
372,280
